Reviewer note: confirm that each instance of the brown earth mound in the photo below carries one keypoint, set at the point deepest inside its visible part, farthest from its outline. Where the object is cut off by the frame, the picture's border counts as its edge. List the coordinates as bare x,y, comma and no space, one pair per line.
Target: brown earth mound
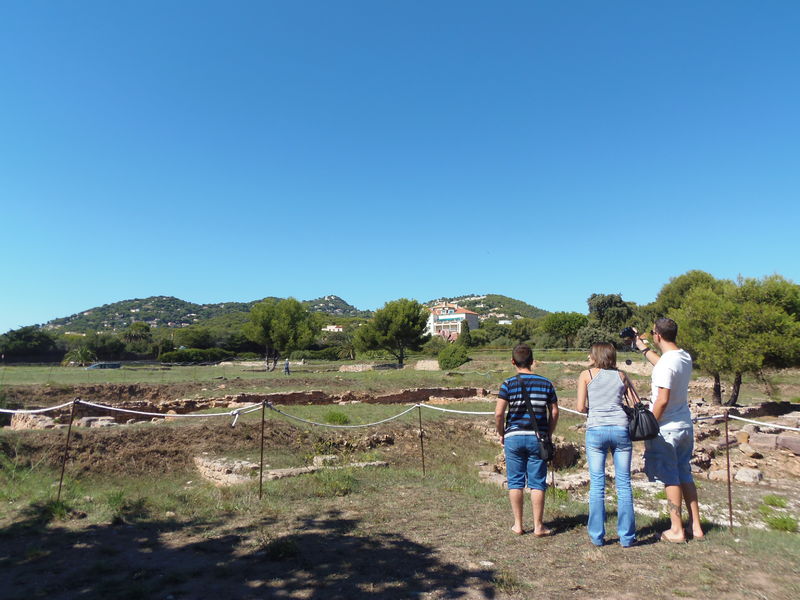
153,448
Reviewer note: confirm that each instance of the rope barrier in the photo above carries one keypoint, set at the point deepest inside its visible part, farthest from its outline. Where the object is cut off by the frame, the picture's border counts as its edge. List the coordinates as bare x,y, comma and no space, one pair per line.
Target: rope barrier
450,410
230,413
762,423
287,415
33,411
235,413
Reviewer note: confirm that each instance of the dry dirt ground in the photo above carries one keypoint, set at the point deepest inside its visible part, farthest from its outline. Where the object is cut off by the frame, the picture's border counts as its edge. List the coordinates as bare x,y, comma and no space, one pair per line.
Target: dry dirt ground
408,537
404,536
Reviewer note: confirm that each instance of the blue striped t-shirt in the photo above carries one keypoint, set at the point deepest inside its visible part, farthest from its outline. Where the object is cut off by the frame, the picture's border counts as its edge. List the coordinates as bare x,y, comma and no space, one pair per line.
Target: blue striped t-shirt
541,393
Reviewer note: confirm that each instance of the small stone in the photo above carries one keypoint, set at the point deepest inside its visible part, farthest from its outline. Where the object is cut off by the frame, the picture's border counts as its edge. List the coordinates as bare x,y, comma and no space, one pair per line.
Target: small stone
325,459
748,475
789,441
169,514
742,437
750,428
486,563
763,441
748,450
481,463
718,475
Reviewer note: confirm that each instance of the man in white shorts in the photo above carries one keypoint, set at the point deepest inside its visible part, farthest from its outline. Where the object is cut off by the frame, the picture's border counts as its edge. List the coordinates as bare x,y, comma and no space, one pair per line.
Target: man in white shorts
666,457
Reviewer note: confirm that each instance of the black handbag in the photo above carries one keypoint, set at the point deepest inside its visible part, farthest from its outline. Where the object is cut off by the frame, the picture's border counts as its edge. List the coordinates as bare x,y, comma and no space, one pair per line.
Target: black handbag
547,450
642,424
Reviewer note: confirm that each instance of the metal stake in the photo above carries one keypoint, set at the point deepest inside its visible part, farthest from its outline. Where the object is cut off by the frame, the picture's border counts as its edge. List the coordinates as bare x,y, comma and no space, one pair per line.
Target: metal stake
66,447
421,442
728,459
261,470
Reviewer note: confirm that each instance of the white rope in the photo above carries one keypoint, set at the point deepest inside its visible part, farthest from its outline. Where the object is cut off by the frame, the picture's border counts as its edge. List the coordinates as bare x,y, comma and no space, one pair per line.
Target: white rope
575,412
712,417
764,424
450,410
397,416
20,411
230,413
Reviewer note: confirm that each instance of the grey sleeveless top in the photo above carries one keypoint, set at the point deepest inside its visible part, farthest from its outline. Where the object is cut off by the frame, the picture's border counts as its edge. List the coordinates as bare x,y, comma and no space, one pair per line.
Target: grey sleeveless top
606,397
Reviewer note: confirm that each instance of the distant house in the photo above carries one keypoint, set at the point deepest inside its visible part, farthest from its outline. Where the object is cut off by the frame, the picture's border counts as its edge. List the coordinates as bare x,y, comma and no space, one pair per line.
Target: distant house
448,320
333,328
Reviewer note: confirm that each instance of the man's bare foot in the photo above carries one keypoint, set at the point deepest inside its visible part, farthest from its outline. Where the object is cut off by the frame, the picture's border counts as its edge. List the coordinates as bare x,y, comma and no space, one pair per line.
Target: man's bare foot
543,532
672,538
518,530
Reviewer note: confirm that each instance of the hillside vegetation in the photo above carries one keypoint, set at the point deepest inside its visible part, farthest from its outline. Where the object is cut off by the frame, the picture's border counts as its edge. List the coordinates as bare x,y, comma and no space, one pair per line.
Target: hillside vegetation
495,305
168,311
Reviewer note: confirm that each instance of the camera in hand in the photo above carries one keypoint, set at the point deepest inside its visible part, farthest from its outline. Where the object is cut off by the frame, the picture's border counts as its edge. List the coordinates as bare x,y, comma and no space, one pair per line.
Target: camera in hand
629,335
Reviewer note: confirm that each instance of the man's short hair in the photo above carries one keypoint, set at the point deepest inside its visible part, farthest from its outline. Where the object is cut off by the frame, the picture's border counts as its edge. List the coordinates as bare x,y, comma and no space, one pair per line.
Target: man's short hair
522,355
667,329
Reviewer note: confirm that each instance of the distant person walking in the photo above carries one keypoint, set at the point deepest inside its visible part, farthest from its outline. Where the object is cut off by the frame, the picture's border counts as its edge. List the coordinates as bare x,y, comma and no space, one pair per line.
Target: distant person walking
666,457
601,393
286,367
519,438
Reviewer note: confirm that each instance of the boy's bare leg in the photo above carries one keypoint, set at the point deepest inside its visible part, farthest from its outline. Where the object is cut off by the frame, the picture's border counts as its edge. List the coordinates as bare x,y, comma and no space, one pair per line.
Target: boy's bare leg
516,497
537,499
689,491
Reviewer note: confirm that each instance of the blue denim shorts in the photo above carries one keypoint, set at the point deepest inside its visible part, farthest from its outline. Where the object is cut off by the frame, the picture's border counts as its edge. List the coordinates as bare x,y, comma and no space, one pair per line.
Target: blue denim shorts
667,457
523,463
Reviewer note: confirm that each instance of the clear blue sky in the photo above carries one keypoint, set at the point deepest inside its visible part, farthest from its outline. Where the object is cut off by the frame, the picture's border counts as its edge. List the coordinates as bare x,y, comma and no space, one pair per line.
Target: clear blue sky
221,151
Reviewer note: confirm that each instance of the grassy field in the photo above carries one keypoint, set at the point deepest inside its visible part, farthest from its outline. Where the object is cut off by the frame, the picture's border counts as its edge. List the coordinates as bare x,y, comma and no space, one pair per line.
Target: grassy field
136,520
486,369
155,530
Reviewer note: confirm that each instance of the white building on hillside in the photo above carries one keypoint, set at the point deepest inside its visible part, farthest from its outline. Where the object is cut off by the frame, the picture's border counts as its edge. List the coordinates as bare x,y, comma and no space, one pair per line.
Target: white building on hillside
448,320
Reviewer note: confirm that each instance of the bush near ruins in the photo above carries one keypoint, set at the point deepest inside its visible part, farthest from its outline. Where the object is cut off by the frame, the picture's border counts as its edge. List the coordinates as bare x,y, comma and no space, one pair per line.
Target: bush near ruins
331,353
190,355
453,356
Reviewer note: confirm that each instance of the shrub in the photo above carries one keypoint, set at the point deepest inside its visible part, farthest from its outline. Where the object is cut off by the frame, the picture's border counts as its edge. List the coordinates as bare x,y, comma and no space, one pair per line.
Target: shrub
453,356
331,353
590,334
281,549
330,484
194,355
773,500
781,523
336,417
433,346
249,355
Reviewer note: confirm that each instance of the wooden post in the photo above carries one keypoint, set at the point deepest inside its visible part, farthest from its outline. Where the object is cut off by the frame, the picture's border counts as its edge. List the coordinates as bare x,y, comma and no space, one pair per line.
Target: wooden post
66,447
728,459
421,442
261,470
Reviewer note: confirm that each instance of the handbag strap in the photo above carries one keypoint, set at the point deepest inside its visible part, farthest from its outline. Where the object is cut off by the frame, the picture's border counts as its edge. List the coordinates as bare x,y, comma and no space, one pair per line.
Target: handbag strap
629,388
528,405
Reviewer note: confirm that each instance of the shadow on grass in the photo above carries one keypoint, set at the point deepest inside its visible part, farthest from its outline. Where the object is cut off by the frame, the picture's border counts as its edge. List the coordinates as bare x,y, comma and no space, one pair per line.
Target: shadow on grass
324,556
562,524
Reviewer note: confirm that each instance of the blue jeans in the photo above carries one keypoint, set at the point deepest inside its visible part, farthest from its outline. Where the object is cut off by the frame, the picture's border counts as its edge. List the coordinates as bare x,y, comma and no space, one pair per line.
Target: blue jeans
598,441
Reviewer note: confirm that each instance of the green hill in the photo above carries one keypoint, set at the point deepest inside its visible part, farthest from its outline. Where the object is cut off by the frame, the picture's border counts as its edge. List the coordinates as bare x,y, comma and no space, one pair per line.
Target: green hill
495,305
167,311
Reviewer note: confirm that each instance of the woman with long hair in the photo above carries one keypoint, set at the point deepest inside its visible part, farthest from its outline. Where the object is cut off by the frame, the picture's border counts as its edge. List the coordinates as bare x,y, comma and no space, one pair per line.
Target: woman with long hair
601,392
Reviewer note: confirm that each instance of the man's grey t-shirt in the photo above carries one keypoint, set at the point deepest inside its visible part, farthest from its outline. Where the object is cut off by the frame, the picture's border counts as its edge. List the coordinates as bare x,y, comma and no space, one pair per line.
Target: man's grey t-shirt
673,371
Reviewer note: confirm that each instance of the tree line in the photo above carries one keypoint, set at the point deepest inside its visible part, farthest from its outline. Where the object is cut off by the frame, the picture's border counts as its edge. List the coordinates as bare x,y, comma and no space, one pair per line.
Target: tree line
731,328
